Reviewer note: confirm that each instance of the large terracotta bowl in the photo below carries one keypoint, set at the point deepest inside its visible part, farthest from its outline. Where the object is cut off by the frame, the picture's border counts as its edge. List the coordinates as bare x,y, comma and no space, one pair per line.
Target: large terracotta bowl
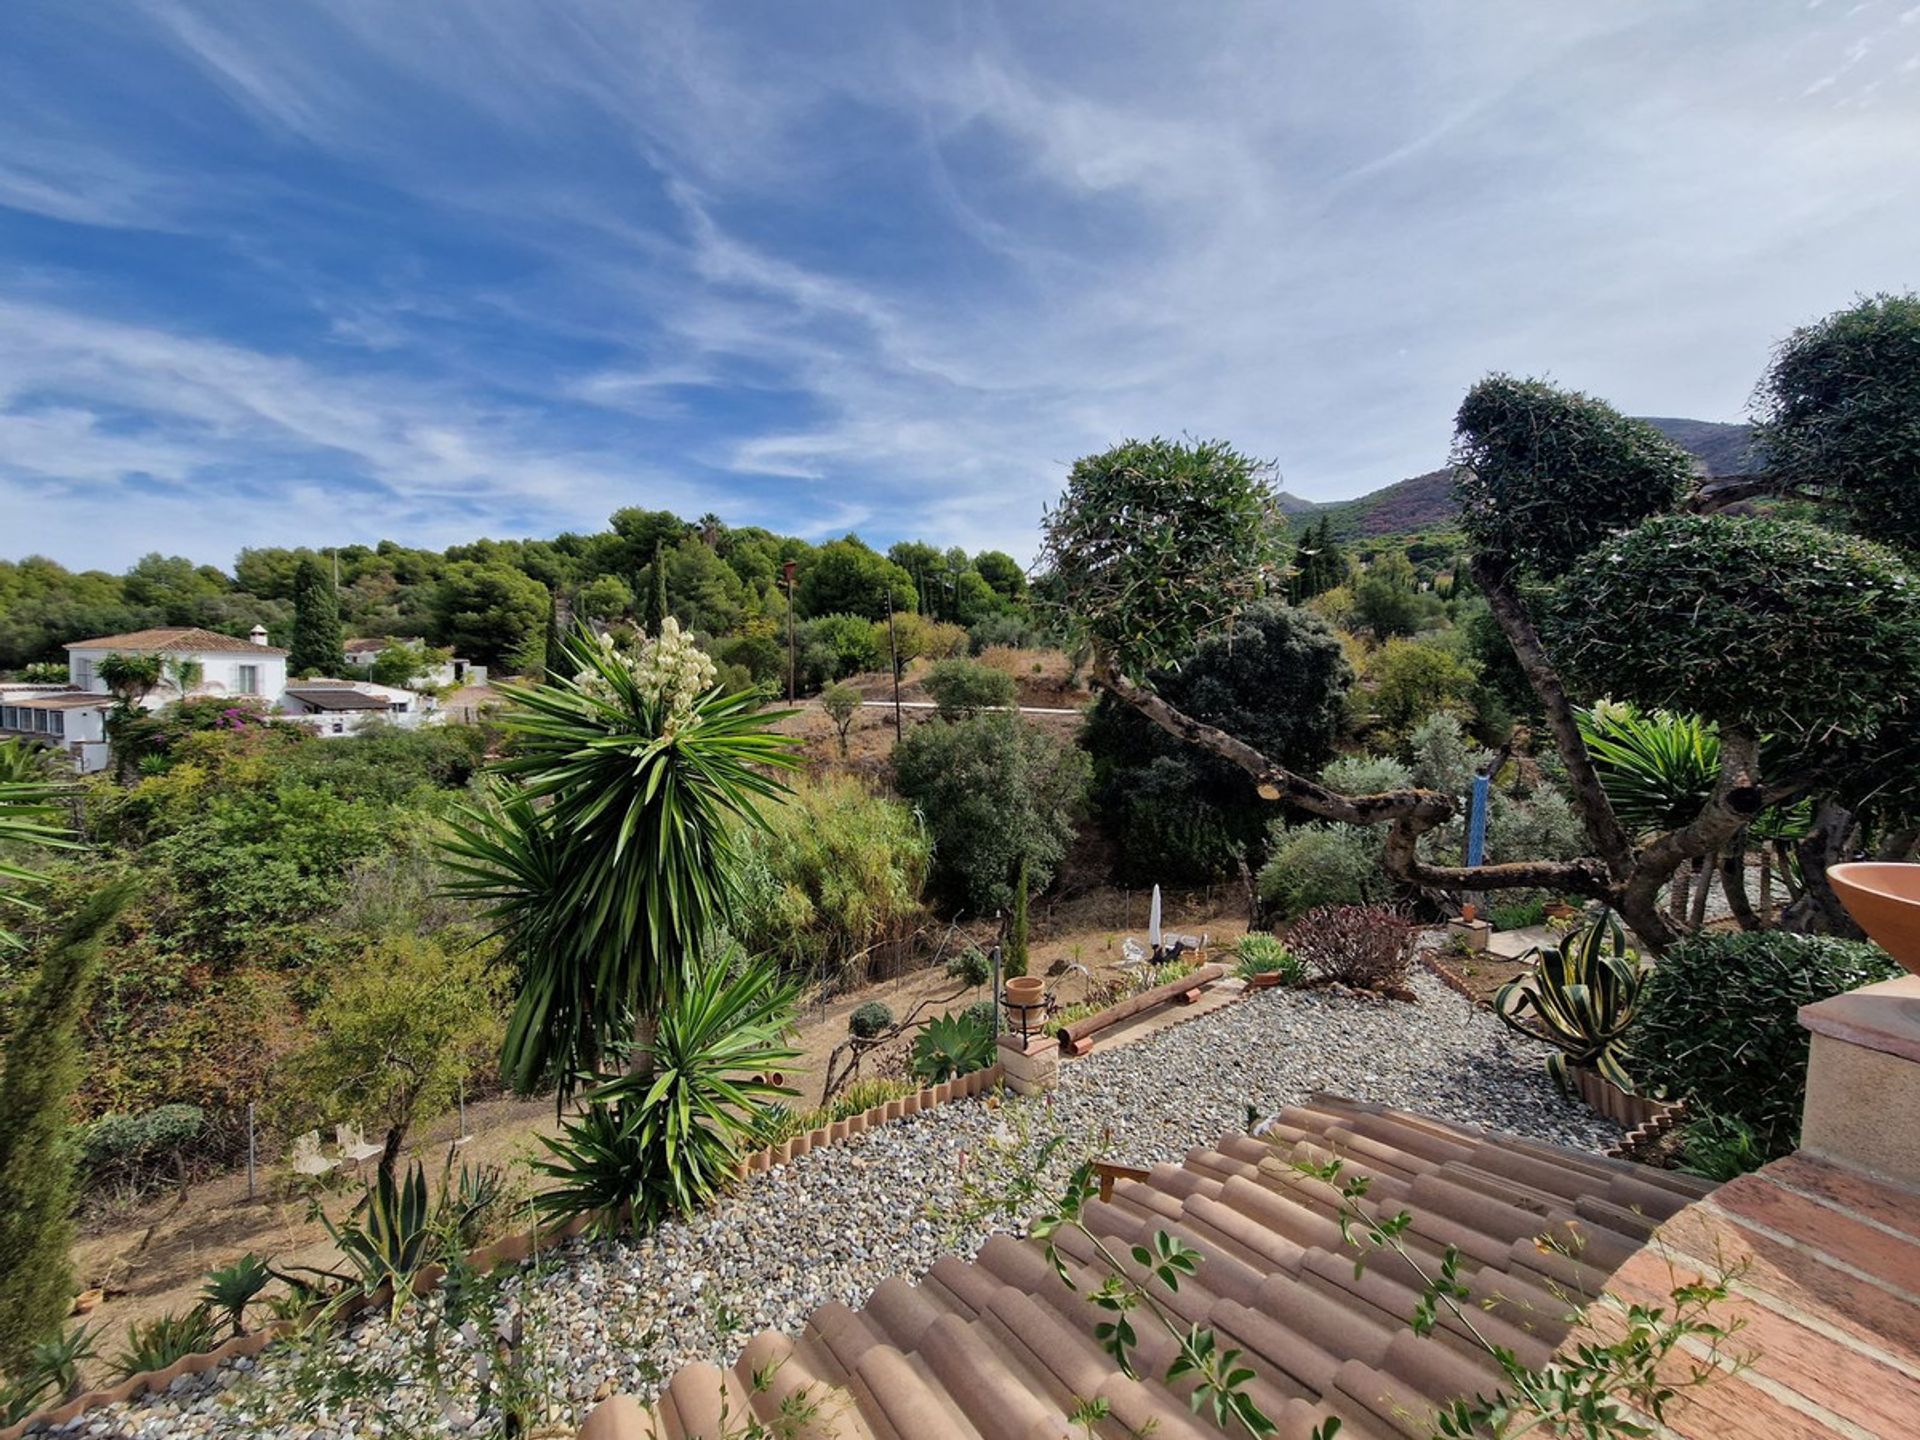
1885,899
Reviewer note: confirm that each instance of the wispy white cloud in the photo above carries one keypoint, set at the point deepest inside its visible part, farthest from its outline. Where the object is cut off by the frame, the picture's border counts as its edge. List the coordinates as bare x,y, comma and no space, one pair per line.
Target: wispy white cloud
897,267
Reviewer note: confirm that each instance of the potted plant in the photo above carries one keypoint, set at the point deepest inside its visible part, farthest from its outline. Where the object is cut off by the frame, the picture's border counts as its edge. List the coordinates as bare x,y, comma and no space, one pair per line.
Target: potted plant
1580,998
1264,961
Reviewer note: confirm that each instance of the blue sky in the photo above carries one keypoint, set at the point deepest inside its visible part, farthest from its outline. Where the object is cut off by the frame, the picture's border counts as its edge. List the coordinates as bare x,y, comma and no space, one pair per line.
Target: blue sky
283,273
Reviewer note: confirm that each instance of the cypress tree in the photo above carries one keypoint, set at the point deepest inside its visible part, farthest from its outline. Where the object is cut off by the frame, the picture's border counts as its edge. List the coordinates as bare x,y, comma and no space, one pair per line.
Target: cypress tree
1017,933
42,1067
656,617
551,657
316,623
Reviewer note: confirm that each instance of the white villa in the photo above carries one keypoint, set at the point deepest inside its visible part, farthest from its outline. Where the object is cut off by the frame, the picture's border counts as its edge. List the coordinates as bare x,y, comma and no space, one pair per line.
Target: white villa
73,716
450,674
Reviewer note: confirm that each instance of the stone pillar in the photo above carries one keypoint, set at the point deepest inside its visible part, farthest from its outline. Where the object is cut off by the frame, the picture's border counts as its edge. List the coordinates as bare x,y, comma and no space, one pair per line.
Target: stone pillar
1030,1068
1863,1081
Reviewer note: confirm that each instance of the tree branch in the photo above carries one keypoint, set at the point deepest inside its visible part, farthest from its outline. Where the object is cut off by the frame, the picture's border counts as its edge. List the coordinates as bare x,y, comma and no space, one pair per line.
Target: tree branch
1717,493
1409,813
1428,808
1603,826
1737,797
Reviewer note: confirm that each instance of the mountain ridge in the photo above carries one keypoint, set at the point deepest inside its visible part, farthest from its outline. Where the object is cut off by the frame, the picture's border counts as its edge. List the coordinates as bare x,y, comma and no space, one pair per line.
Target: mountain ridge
1425,501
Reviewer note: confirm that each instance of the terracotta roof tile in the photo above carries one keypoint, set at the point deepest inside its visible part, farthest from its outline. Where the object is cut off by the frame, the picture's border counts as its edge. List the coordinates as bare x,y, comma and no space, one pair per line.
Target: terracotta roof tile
174,640
998,1348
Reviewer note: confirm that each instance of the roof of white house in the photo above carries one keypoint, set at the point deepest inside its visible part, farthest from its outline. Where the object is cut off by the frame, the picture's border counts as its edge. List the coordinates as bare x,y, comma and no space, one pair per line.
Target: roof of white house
337,697
60,700
186,639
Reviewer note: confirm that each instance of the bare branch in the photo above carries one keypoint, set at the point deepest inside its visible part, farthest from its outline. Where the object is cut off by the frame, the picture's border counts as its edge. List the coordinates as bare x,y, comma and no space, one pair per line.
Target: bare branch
1603,826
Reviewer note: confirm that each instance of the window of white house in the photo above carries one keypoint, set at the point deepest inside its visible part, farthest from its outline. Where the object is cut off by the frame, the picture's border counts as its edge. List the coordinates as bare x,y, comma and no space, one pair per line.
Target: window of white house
83,672
59,723
9,718
40,721
246,679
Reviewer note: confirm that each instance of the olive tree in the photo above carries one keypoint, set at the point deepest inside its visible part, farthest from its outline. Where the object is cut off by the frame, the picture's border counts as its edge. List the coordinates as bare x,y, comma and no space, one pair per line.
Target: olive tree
1607,569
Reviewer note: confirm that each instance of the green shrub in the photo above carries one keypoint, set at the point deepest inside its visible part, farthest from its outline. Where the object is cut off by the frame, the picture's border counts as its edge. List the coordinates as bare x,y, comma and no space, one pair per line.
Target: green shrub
1543,474
966,687
1720,1147
949,1046
130,1149
836,872
981,1013
1520,915
1761,599
970,967
394,1233
1365,946
664,1140
1718,1022
869,1020
1409,680
1262,954
52,1374
1365,774
995,791
155,1344
1321,863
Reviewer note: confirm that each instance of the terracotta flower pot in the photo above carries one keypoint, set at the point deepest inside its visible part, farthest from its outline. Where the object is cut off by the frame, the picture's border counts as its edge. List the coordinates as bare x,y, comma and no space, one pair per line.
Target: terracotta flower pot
1469,912
1026,990
1885,898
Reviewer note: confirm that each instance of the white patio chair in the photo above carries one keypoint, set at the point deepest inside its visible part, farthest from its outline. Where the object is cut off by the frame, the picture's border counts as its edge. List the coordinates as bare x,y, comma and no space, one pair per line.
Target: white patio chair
353,1145
307,1159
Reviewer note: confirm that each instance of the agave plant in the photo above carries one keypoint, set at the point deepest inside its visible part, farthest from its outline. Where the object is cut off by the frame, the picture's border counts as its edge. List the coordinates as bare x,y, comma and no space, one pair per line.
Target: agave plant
666,1138
155,1344
609,863
52,1374
949,1046
1579,999
389,1237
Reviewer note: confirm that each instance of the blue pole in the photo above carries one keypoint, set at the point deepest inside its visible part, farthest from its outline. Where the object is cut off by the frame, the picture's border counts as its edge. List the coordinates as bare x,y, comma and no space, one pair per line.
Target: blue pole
1477,820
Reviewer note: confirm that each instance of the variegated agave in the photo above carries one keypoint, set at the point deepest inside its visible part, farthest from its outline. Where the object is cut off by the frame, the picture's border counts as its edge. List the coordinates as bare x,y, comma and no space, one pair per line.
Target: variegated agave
1579,999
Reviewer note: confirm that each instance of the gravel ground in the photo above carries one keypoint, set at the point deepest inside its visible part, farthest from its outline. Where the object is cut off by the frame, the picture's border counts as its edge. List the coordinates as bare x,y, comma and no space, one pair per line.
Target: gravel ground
601,1317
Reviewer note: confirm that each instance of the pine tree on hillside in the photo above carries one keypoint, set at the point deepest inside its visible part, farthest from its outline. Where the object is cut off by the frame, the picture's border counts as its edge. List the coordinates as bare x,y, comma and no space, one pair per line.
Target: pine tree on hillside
316,623
42,1067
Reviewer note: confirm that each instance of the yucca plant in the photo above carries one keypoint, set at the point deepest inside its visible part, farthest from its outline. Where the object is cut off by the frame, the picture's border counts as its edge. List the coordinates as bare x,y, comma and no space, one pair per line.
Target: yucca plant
28,817
1579,999
949,1046
155,1344
1657,768
608,863
231,1289
666,1138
